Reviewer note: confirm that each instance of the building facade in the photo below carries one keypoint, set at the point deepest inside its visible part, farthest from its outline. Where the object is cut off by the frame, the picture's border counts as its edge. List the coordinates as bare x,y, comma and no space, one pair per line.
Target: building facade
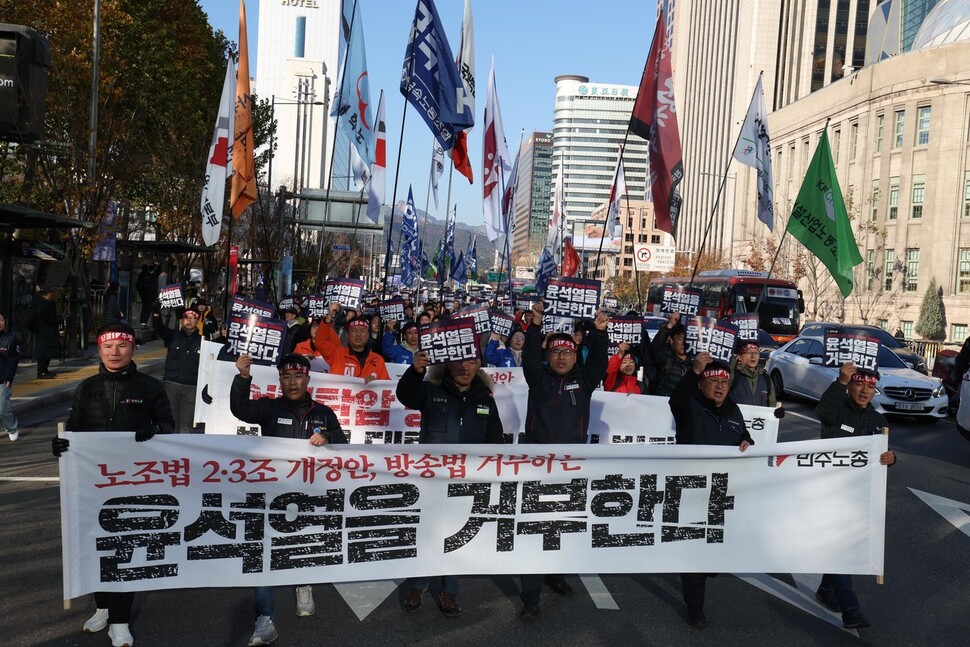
590,124
531,208
297,65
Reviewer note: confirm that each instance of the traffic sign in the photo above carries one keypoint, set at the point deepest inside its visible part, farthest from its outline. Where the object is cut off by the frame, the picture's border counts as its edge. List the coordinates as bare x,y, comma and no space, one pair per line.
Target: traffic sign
340,247
653,258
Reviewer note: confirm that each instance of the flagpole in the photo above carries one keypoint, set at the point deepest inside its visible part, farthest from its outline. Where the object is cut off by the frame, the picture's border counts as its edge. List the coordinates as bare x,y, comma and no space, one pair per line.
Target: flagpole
333,147
353,245
451,173
229,296
390,229
717,200
619,163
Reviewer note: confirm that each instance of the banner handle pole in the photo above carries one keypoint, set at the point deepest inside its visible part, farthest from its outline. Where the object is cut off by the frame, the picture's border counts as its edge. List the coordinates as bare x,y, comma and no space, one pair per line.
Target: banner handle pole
881,579
61,428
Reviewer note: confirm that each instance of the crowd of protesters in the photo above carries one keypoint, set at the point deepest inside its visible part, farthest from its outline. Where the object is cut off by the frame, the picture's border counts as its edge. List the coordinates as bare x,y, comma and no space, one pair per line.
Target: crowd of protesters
561,369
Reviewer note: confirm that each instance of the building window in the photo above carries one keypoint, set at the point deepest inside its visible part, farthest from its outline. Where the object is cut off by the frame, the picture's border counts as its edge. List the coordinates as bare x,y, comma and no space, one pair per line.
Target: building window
884,324
875,200
923,126
836,144
966,196
958,332
870,267
853,139
791,162
893,200
919,188
655,239
963,271
900,121
805,146
912,269
880,123
907,327
887,272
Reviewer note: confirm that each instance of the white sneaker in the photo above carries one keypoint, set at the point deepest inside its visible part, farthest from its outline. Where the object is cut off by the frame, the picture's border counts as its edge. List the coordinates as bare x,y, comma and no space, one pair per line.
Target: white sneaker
265,632
304,601
120,636
97,622
14,435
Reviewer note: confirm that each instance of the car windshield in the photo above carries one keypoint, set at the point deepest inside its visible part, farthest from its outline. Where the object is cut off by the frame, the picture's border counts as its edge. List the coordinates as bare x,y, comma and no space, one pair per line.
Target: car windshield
766,340
889,359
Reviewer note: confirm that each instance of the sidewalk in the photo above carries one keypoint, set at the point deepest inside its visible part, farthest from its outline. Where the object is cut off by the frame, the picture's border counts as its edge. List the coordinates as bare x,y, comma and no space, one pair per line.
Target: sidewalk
31,394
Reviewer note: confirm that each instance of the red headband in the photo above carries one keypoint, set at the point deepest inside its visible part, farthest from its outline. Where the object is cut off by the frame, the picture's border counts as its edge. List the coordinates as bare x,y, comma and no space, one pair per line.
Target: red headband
715,372
562,343
294,366
748,345
358,322
115,335
867,378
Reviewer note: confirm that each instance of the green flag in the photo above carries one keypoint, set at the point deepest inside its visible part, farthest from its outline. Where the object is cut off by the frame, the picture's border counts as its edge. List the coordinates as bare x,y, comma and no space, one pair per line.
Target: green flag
819,220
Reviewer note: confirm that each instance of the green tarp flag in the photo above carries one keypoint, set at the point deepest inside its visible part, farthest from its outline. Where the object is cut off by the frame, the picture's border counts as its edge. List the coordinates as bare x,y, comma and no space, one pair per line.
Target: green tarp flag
819,220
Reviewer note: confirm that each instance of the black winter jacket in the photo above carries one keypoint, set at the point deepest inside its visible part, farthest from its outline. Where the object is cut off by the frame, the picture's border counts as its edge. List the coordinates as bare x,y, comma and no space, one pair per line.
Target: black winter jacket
842,418
122,401
9,355
558,410
700,422
182,361
280,418
669,370
448,415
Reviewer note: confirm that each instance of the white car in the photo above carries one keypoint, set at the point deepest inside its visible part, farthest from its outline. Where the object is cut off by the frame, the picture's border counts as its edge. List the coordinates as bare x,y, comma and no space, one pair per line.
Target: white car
797,368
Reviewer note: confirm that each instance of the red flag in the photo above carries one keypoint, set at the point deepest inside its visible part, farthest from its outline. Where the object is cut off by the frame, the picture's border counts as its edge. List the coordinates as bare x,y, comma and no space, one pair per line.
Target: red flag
243,164
459,155
466,68
654,118
570,259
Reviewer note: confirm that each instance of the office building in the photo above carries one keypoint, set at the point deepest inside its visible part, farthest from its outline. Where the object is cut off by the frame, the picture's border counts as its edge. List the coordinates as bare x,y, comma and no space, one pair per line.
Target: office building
531,208
297,63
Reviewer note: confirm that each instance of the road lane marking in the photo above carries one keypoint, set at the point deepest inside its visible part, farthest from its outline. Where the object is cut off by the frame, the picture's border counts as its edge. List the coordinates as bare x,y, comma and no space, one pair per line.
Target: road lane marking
789,412
30,478
802,596
598,592
364,597
953,511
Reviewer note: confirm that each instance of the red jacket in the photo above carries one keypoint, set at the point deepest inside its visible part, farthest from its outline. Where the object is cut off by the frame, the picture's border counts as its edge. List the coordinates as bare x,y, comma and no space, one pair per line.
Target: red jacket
626,384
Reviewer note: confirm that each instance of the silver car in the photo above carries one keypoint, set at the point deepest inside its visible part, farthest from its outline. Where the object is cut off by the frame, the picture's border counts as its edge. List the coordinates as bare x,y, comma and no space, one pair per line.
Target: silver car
797,368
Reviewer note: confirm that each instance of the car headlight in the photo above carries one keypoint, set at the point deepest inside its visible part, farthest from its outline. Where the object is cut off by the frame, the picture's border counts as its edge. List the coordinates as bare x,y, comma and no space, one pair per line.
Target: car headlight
938,391
878,392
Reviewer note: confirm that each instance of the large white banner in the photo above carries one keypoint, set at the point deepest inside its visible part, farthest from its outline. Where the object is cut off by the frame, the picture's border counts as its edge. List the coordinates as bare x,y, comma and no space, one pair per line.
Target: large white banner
371,414
190,510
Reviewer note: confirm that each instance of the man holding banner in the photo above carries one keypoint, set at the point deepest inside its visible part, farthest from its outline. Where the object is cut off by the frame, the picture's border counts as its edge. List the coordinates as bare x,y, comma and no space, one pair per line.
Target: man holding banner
181,363
118,398
457,407
845,411
356,359
705,414
558,411
668,352
294,415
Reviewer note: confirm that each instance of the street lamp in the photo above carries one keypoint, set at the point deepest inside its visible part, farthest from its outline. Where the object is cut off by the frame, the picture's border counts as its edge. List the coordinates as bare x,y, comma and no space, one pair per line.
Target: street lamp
942,81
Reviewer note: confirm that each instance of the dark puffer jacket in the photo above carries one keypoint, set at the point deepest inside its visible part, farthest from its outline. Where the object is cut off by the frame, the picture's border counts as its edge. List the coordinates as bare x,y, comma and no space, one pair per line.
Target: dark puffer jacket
700,422
122,401
558,409
281,418
182,360
447,414
842,418
9,355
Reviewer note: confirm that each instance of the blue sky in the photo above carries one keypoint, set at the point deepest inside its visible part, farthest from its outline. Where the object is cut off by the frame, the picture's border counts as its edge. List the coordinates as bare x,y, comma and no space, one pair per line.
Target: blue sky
533,41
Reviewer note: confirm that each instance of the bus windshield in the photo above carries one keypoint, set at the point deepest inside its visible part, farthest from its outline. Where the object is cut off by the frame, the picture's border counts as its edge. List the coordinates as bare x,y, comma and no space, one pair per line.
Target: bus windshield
778,315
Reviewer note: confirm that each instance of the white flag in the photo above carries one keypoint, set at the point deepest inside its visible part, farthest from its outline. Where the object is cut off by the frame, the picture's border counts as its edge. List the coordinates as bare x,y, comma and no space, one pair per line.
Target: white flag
218,166
375,194
358,168
754,150
495,161
437,168
617,191
556,226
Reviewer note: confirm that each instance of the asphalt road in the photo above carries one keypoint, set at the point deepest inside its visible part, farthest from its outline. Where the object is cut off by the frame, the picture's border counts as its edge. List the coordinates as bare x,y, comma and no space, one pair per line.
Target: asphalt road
923,601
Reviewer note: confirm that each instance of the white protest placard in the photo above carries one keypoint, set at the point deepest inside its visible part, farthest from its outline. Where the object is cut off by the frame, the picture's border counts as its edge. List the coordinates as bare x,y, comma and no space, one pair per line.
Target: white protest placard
450,340
852,345
171,296
193,510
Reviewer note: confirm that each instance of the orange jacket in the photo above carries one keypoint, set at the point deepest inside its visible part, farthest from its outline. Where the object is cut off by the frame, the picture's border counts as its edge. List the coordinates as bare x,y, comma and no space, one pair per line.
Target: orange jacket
342,361
307,347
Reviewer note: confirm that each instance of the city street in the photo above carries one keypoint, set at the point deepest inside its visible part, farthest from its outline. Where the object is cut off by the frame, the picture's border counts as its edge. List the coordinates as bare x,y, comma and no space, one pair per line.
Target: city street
923,600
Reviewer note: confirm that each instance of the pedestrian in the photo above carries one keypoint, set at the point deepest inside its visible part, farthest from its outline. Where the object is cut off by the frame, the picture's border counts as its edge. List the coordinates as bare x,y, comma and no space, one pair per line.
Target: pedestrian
400,352
354,359
296,331
845,411
112,310
9,356
293,415
705,414
47,344
751,384
308,347
508,356
146,284
208,324
668,352
457,407
118,398
181,364
558,411
621,372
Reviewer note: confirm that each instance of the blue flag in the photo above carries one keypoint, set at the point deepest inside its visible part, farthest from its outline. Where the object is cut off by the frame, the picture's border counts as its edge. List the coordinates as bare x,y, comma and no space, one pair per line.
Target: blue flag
409,241
473,263
351,105
430,78
470,262
458,272
545,271
450,241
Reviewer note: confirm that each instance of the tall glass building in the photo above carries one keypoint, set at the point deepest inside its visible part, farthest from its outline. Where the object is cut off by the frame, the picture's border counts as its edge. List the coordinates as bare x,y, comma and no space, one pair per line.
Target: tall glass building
532,208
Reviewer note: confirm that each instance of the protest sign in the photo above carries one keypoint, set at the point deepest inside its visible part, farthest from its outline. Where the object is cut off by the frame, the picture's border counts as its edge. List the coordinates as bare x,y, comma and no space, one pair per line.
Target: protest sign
171,296
706,334
567,296
852,345
682,299
346,292
451,340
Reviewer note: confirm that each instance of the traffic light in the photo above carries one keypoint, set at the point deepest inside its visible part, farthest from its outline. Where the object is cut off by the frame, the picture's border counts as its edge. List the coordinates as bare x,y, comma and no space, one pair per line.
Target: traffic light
24,57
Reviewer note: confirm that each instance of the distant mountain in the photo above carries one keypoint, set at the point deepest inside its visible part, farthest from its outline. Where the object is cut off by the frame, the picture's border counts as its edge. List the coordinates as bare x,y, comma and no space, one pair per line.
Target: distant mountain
434,230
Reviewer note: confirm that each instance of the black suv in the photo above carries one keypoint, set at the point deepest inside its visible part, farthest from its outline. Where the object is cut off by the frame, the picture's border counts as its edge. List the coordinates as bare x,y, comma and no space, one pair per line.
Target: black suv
911,358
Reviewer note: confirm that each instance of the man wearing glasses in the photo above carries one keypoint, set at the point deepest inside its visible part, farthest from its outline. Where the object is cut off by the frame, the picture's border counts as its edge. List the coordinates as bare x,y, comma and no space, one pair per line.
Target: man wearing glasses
181,364
558,411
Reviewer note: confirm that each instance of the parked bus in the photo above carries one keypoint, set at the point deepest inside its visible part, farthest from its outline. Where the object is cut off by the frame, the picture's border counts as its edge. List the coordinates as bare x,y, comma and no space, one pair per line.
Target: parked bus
728,292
